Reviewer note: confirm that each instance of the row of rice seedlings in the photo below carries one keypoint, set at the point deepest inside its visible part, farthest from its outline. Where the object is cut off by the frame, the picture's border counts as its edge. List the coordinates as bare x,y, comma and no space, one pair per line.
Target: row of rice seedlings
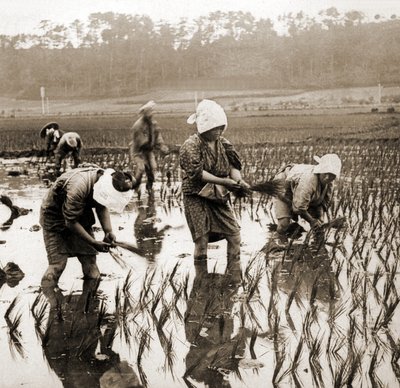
14,334
38,310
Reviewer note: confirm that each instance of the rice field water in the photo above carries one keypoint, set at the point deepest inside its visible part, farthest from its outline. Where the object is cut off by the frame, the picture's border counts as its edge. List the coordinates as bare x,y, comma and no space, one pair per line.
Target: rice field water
323,316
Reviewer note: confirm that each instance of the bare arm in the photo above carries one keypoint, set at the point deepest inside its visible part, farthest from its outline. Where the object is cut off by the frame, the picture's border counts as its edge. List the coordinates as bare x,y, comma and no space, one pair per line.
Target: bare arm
236,175
80,231
227,182
105,221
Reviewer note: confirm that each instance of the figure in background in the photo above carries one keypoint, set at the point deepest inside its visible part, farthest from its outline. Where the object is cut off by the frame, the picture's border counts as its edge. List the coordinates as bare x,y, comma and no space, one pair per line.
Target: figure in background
52,133
307,193
69,144
67,218
210,165
146,139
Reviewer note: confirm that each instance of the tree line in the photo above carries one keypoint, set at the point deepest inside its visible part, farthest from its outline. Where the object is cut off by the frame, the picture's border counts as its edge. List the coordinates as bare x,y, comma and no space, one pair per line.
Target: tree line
113,54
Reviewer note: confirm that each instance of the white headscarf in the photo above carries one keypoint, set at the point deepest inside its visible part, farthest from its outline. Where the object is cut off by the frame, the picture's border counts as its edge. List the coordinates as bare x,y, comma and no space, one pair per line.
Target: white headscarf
105,194
329,163
146,108
71,138
208,115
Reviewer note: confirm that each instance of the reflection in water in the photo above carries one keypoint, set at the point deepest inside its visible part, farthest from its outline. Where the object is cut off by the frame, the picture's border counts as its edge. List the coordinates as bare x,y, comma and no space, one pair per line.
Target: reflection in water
78,341
209,328
308,271
15,212
149,237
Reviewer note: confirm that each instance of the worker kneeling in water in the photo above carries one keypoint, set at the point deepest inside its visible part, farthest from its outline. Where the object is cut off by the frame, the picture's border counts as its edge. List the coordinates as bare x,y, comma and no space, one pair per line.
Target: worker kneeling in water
307,193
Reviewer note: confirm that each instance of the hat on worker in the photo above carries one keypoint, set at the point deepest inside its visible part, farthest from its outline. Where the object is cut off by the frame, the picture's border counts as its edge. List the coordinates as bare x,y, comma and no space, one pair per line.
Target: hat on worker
114,189
147,108
328,164
43,131
208,115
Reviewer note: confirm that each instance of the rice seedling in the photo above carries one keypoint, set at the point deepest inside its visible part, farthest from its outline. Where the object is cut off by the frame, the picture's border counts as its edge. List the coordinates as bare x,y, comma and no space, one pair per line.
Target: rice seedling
314,357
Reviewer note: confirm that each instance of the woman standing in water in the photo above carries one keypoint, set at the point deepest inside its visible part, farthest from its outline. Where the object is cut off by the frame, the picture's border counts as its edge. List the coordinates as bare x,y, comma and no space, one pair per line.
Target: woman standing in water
210,165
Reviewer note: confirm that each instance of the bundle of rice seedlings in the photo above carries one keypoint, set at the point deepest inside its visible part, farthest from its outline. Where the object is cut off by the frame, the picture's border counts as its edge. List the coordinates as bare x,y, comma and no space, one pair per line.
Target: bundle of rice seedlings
272,188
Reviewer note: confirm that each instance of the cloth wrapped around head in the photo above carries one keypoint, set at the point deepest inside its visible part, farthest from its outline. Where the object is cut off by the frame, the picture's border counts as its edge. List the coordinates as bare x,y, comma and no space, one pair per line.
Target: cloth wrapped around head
49,127
114,190
71,138
328,164
208,115
147,108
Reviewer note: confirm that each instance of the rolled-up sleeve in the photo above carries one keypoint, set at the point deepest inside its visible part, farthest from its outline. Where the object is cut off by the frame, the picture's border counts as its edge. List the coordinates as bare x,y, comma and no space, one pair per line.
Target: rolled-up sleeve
231,153
191,160
302,193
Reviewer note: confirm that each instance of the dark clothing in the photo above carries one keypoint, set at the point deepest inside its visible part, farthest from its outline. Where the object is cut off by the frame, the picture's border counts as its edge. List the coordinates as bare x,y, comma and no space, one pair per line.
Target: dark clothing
63,149
146,135
195,156
52,140
69,200
204,216
146,138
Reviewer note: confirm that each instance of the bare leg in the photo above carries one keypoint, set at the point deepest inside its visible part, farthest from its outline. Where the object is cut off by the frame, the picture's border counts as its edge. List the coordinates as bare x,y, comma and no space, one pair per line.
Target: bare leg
200,248
233,256
150,168
53,273
283,224
89,266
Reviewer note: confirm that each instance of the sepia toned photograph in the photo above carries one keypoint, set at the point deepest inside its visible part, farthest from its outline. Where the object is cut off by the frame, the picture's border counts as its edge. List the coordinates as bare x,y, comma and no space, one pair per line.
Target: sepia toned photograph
199,194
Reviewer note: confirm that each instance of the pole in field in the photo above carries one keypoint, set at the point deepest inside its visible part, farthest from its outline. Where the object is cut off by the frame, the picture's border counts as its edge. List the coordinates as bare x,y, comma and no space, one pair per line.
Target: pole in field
47,105
42,95
379,94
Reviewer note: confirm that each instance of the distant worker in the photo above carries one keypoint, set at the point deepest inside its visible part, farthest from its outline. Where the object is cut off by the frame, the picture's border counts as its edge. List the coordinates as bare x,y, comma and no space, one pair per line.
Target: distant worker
70,143
146,139
52,133
307,193
67,217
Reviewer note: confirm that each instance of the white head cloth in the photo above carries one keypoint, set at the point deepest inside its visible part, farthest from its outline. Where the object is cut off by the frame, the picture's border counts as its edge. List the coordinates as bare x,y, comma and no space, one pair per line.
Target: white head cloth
329,163
208,115
105,194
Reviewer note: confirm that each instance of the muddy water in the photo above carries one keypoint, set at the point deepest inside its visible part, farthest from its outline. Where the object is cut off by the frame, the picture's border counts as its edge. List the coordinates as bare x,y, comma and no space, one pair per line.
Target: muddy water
206,330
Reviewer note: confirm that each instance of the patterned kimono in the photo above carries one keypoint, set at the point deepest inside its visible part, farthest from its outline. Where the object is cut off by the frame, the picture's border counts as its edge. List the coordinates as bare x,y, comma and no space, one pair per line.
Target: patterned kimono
204,216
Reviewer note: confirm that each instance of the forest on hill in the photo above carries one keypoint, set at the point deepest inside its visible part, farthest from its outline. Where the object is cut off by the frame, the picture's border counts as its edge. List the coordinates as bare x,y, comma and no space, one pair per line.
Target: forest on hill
114,55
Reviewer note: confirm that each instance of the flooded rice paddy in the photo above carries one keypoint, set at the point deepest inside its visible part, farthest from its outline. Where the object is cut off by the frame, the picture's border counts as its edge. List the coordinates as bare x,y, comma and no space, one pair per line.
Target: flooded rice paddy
310,316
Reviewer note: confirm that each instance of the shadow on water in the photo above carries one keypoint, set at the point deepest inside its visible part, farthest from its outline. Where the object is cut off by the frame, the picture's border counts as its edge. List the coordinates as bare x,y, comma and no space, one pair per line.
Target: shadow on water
308,272
78,341
214,347
149,236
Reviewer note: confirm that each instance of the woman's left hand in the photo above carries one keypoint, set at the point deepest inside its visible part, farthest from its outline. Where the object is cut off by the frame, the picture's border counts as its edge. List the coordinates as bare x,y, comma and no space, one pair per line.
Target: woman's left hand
244,184
109,238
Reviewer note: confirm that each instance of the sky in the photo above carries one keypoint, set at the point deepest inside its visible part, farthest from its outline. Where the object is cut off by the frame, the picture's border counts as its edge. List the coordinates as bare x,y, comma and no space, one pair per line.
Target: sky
23,16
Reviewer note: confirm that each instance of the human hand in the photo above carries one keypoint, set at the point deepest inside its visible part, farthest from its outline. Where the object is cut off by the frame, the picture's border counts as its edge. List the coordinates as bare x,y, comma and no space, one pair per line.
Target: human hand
101,246
231,184
243,184
164,149
315,223
109,238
